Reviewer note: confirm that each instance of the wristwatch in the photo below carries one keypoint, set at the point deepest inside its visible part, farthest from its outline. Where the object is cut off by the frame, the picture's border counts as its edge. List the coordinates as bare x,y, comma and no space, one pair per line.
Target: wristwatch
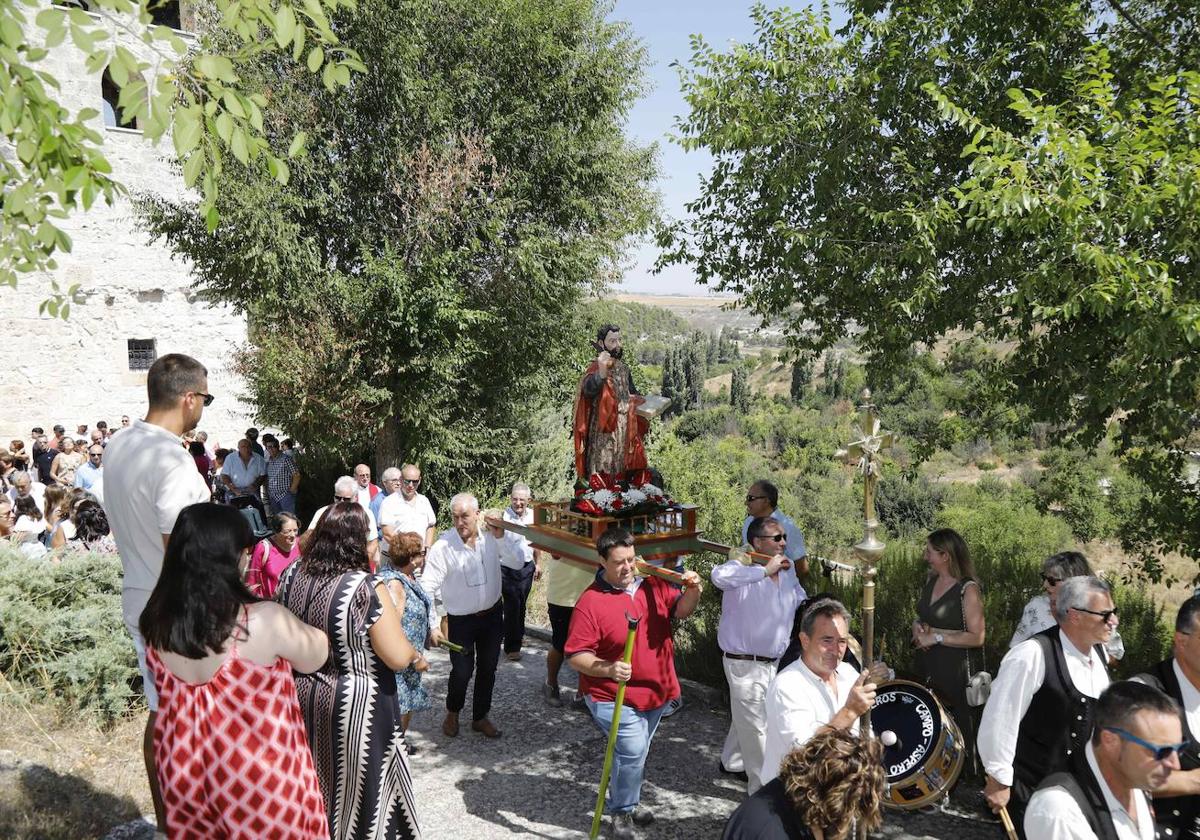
938,638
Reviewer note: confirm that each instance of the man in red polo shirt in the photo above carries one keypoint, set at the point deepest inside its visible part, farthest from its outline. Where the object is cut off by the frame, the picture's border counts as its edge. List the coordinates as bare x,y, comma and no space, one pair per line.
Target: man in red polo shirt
595,645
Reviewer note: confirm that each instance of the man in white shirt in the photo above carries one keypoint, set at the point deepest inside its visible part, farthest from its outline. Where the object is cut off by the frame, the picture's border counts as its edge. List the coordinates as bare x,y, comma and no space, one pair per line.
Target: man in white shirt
762,500
517,572
463,569
365,489
1039,714
24,485
758,607
244,473
344,491
1177,802
149,478
408,510
1134,749
819,690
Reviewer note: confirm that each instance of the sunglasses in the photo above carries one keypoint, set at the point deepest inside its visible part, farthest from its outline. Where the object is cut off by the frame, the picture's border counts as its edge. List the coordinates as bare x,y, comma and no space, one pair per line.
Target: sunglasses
413,481
1051,580
775,537
1161,752
208,398
750,498
344,498
1105,615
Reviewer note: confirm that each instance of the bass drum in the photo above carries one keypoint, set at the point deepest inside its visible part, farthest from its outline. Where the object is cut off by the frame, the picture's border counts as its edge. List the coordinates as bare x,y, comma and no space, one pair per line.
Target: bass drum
924,759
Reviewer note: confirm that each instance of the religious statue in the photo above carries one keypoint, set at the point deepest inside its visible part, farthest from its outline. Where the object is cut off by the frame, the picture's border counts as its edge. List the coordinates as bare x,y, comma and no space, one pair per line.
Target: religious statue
608,427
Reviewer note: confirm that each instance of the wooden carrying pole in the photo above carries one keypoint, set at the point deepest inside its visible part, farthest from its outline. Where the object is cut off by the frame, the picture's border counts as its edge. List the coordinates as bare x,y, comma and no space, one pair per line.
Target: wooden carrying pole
626,657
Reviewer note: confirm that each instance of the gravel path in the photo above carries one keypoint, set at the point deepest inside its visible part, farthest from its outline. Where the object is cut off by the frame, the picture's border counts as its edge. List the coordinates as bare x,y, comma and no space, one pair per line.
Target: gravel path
539,780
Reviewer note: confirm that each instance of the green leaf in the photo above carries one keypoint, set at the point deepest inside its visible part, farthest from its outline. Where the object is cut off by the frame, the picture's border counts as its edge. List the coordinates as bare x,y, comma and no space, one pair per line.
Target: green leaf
217,67
315,57
297,146
187,129
285,25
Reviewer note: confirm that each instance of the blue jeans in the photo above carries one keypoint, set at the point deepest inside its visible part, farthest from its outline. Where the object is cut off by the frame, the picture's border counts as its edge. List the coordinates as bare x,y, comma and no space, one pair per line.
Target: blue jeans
634,734
285,503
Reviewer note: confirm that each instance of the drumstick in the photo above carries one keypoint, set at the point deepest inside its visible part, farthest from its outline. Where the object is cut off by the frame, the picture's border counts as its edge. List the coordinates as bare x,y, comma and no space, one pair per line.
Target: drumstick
1008,823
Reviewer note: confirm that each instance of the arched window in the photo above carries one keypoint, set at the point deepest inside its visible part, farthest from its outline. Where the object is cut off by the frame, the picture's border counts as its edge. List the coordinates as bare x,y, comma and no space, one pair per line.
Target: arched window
112,113
166,13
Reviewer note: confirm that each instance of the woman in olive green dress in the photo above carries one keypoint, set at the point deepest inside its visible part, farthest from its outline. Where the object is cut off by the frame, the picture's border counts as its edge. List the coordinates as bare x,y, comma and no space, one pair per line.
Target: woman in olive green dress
950,627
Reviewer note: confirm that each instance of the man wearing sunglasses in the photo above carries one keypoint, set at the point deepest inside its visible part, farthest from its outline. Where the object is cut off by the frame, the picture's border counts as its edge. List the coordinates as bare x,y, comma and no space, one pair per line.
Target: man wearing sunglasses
758,605
1177,803
762,500
1039,715
1133,749
149,477
408,510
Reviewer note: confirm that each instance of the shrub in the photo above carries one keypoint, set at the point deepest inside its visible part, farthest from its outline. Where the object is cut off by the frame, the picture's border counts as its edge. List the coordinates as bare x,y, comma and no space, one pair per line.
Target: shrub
907,507
1071,485
63,635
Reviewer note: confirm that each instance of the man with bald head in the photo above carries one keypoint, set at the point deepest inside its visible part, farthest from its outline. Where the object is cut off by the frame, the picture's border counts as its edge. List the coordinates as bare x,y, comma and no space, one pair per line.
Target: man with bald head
365,491
518,570
408,510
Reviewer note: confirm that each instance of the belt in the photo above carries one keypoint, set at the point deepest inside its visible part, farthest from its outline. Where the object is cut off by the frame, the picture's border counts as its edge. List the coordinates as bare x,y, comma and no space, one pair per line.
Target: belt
749,657
483,612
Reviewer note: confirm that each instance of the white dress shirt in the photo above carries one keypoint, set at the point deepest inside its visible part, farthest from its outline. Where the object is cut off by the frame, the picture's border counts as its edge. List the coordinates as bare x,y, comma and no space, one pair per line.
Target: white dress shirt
523,553
1021,675
404,516
795,537
1053,814
798,704
756,612
242,474
1191,698
467,580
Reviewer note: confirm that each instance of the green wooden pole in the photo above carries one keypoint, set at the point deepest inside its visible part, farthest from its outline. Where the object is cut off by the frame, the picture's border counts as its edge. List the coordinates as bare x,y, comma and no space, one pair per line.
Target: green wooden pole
612,730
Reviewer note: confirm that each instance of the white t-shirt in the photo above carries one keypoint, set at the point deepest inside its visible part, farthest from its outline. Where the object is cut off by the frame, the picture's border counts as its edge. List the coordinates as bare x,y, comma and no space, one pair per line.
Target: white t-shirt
798,703
372,528
415,516
148,479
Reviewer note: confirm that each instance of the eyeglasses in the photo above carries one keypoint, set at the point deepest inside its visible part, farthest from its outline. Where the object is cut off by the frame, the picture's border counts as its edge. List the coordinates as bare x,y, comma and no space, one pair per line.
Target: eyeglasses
775,537
413,481
750,498
1161,752
208,398
1051,580
8,514
343,498
1105,615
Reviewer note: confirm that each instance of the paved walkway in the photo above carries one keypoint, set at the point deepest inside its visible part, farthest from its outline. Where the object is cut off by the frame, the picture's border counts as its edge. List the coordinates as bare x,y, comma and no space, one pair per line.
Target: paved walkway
539,780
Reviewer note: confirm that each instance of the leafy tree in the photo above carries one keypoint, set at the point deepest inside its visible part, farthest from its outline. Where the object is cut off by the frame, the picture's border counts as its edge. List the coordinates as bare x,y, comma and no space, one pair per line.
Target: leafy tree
197,95
801,377
739,390
1072,486
415,287
694,372
925,173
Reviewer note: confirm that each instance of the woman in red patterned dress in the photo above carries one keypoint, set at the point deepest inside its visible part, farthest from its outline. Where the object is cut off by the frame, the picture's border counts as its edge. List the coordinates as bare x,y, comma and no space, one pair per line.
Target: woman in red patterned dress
233,759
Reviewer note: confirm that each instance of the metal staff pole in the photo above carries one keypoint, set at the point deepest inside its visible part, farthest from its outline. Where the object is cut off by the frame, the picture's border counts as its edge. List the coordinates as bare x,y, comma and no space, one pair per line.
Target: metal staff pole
626,657
1008,823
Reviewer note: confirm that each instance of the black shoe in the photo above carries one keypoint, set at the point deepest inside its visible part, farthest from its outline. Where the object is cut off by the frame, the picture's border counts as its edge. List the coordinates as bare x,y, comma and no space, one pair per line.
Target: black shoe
737,774
642,816
622,828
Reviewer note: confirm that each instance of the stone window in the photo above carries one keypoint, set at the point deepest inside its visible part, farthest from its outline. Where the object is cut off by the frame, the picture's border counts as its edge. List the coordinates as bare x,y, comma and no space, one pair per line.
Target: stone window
111,95
142,353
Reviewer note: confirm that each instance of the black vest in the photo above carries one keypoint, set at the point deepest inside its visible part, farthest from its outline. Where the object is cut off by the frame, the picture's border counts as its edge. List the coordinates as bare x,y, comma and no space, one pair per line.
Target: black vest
1178,816
1056,725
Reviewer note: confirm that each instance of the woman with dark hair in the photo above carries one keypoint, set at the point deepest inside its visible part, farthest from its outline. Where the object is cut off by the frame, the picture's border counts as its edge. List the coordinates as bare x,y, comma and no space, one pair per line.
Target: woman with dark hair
232,759
273,554
204,464
407,559
350,708
949,625
824,786
92,532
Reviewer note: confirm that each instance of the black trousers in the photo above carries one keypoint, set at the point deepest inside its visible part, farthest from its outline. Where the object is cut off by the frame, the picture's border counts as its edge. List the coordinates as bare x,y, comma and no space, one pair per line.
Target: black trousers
479,636
515,588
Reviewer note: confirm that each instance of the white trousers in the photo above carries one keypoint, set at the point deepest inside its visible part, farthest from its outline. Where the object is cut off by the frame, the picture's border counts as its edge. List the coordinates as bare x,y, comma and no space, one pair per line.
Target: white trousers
748,681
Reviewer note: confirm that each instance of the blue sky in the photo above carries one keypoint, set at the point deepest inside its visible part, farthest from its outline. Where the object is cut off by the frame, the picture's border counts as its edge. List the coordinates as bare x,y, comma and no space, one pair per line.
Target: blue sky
665,26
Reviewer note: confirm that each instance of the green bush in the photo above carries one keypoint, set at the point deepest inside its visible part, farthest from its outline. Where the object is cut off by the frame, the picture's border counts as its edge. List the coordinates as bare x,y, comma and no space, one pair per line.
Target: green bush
907,507
63,636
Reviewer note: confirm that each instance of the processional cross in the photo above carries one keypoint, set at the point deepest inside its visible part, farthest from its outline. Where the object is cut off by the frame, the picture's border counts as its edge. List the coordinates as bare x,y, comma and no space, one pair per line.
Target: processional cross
864,453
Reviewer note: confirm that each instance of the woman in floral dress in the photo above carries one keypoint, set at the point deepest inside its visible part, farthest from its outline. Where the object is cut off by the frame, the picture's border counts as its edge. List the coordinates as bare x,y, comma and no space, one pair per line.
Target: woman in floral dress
407,559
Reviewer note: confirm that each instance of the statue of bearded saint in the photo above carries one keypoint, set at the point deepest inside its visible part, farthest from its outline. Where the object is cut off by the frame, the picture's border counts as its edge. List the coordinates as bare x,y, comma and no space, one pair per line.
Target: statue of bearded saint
607,429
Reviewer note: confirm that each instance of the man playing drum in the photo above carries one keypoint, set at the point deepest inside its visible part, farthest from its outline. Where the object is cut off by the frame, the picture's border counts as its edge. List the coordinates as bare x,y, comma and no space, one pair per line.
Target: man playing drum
819,690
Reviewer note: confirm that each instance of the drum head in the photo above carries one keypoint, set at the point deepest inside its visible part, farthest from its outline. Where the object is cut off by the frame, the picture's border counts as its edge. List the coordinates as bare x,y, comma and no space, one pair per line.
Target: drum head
911,713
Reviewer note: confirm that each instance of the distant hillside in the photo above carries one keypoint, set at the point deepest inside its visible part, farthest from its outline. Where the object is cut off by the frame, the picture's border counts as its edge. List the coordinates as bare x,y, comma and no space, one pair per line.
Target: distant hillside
639,322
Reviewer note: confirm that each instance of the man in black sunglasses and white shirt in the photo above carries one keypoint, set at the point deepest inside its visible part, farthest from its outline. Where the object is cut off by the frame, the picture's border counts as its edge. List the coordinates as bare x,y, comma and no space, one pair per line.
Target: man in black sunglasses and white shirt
1177,803
1134,749
762,500
1039,715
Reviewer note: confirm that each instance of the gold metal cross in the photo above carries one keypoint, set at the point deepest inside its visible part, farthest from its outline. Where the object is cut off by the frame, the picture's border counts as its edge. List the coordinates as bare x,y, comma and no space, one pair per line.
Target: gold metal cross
864,453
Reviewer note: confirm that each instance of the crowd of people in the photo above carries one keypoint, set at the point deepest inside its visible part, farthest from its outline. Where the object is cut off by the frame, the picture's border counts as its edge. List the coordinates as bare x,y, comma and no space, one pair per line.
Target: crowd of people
282,664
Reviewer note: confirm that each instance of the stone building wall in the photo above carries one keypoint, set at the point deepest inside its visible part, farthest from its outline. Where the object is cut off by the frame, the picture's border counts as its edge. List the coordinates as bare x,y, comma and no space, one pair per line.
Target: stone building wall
78,370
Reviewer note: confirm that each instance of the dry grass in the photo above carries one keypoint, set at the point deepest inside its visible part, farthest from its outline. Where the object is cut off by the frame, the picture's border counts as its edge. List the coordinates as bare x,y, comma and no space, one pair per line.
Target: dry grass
60,778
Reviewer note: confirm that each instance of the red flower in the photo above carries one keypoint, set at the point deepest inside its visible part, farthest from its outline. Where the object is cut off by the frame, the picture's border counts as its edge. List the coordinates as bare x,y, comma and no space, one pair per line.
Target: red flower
588,507
640,478
596,481
618,503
